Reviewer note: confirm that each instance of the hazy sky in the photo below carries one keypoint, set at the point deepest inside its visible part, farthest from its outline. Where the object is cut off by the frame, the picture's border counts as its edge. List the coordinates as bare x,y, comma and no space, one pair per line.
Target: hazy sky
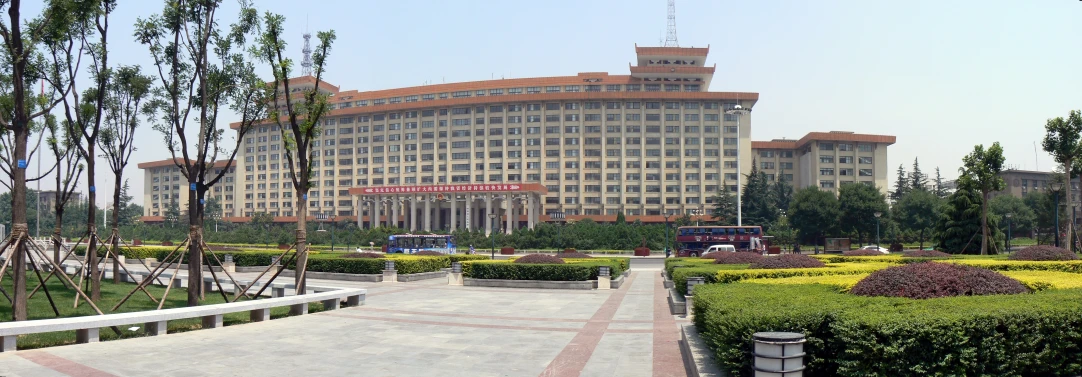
940,75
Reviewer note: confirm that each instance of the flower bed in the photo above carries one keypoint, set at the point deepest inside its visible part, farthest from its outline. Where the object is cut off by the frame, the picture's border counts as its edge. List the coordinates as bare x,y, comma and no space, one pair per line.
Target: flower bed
1043,253
931,280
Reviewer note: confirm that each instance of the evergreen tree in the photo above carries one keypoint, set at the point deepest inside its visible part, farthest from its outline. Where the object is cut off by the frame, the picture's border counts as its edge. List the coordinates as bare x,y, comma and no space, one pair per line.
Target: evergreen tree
940,191
813,213
901,185
783,193
620,219
756,203
129,212
958,229
172,213
917,179
724,211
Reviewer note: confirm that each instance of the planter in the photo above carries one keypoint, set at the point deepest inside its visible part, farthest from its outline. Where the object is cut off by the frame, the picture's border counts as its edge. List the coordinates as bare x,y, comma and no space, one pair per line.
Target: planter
167,243
283,246
642,251
570,251
773,250
507,251
137,242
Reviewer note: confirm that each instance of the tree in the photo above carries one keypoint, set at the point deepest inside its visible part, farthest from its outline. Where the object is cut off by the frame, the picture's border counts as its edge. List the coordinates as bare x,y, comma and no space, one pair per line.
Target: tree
783,193
620,219
128,212
23,66
172,213
961,220
69,169
917,212
300,124
980,171
202,69
901,185
917,179
724,211
756,204
213,209
1061,140
1022,216
1043,206
940,191
858,204
813,213
124,103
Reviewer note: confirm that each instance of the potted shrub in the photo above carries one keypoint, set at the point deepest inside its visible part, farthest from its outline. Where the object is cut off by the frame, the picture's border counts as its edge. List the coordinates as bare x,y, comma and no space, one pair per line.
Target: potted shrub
137,242
284,246
507,251
167,243
642,251
570,251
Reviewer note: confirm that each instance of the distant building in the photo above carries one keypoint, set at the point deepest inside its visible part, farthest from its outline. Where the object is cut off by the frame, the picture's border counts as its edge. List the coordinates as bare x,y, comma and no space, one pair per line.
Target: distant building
1019,183
48,199
826,159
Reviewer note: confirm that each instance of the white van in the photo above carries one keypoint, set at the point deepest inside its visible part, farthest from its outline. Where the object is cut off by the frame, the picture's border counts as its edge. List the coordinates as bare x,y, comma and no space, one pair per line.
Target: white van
728,248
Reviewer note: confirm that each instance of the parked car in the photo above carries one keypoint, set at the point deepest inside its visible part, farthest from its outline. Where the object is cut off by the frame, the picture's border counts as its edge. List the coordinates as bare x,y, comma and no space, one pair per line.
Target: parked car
728,248
876,248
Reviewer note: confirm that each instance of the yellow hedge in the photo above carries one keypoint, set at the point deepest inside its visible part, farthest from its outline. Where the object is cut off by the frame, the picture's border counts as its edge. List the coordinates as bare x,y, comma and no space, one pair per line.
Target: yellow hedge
842,282
849,268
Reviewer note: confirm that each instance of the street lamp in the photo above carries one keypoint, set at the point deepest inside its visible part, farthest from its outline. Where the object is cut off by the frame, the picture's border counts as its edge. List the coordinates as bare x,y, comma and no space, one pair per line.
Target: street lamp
1009,215
559,216
333,224
738,111
492,216
666,215
877,215
1056,186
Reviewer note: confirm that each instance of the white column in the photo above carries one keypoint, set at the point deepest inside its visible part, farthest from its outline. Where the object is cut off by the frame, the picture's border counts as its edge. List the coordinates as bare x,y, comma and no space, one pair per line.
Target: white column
454,217
395,203
488,210
529,211
360,212
413,213
510,213
374,211
428,212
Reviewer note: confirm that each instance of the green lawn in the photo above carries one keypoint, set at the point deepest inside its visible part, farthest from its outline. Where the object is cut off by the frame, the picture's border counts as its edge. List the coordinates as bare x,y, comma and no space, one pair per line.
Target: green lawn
111,294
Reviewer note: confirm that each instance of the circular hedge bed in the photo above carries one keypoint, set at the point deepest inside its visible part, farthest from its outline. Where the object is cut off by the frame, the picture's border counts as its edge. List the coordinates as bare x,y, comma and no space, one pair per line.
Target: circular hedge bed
540,259
573,255
1043,253
363,255
740,257
931,280
925,254
862,253
787,261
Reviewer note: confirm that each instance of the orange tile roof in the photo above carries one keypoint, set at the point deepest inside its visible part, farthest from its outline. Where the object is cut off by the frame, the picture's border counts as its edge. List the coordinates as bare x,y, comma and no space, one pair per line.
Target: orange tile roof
178,160
310,80
671,69
672,51
824,136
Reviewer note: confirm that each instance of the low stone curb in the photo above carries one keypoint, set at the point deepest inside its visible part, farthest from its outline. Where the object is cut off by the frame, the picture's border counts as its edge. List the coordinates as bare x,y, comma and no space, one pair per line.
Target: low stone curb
543,284
375,278
697,356
677,302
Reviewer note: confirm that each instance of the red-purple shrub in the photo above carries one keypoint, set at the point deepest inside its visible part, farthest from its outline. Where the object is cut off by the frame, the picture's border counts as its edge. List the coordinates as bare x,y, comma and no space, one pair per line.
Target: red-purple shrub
788,261
862,253
740,257
925,254
1043,252
428,253
540,258
573,255
713,255
363,255
931,280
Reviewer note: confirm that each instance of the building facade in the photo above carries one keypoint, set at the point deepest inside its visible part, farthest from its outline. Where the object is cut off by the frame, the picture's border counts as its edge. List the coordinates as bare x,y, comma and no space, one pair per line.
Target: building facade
508,153
826,159
164,186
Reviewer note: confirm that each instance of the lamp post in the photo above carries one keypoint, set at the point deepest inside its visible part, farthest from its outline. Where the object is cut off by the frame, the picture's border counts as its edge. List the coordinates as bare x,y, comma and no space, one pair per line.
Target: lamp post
666,215
1009,215
877,215
333,224
559,217
492,216
738,111
1056,186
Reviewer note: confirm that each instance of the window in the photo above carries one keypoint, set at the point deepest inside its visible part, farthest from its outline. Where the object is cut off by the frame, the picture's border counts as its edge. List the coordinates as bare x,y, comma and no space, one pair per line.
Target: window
826,171
845,147
845,172
845,159
826,146
865,147
826,159
826,184
865,160
766,165
865,172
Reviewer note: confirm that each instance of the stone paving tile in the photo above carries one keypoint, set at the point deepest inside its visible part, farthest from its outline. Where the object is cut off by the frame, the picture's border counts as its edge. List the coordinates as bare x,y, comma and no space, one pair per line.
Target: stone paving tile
14,365
623,355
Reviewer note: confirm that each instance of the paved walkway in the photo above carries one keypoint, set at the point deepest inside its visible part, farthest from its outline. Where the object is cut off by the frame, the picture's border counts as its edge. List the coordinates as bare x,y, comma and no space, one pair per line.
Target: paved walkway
421,328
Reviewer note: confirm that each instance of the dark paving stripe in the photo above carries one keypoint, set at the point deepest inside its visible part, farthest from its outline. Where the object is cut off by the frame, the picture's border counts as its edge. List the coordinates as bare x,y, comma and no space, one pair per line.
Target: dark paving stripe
462,315
573,358
667,358
63,365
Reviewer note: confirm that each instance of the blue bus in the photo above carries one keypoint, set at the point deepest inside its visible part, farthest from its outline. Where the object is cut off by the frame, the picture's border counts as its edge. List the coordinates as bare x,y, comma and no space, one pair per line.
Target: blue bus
412,243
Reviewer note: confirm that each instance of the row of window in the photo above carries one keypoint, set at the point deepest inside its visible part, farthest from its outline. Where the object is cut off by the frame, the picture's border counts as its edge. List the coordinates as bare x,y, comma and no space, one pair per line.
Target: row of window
827,184
845,172
526,90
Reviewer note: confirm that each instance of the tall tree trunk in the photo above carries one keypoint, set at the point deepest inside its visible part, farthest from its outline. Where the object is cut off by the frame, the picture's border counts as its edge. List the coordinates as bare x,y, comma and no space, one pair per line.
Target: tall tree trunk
91,226
300,279
57,236
116,228
1070,226
984,223
18,212
195,233
921,239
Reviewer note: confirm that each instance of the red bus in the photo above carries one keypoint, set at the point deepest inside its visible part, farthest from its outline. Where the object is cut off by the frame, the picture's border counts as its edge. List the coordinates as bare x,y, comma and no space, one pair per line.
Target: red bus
692,240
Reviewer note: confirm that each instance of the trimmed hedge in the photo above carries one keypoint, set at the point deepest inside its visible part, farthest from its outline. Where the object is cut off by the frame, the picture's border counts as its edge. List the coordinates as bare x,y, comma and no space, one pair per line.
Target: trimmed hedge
708,271
787,261
740,257
572,270
732,276
926,254
674,263
862,253
539,259
1042,253
1001,335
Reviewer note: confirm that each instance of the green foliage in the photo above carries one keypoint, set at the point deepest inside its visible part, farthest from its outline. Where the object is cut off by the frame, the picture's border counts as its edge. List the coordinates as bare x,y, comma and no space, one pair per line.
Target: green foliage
724,211
1043,205
959,225
1023,219
783,192
814,213
917,212
1030,334
673,263
572,270
901,185
917,179
858,204
709,272
980,171
757,204
939,190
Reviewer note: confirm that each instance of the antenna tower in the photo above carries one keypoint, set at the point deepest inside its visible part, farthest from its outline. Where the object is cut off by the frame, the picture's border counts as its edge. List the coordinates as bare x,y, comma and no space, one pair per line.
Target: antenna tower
306,64
670,29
